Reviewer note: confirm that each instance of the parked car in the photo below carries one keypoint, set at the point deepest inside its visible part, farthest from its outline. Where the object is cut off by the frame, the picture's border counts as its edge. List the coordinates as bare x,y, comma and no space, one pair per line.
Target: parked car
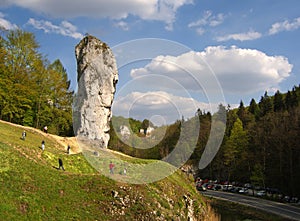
248,186
235,189
227,187
243,190
218,187
261,193
201,188
287,199
210,187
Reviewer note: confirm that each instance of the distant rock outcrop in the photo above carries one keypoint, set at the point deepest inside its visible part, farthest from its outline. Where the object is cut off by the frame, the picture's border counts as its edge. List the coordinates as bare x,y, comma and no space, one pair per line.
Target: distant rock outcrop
124,131
97,78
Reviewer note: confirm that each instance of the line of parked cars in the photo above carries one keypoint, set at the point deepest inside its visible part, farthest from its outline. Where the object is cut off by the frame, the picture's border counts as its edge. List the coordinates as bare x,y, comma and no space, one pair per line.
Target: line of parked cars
271,193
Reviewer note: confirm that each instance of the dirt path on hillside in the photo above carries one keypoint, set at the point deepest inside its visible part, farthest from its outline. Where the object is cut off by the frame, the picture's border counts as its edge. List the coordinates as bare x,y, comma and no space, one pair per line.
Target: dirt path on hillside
62,141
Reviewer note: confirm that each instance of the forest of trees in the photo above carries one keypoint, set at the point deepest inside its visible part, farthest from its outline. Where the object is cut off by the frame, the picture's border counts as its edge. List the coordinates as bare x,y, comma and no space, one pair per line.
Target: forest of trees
33,91
260,146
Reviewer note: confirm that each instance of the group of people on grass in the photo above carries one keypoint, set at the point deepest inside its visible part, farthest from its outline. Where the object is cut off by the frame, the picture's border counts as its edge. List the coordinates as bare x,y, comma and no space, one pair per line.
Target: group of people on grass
112,166
60,162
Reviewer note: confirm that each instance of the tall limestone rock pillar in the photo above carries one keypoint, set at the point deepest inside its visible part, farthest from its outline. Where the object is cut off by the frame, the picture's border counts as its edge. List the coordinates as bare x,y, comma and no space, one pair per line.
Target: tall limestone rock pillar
97,78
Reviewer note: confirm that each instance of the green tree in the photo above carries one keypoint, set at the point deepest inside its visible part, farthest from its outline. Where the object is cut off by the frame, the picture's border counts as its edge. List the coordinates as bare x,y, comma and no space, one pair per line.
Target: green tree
59,100
265,104
235,145
33,92
244,115
20,57
254,108
257,176
278,102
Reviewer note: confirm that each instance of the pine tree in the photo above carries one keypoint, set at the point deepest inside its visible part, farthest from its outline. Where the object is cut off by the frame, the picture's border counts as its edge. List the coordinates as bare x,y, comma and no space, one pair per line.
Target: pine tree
265,104
278,102
288,100
254,108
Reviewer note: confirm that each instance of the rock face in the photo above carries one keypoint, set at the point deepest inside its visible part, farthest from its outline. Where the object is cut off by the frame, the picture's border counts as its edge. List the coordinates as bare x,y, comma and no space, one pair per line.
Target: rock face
97,78
124,131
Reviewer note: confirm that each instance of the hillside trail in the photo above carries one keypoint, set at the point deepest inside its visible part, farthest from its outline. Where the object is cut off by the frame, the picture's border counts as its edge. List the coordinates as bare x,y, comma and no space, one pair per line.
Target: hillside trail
62,141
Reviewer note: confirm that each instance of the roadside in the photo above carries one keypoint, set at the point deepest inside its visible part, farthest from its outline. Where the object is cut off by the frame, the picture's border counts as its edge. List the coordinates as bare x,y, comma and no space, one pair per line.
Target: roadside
286,212
236,211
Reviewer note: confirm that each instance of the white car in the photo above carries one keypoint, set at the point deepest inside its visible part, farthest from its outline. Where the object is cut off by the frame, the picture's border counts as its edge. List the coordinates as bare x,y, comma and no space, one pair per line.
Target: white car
261,193
243,190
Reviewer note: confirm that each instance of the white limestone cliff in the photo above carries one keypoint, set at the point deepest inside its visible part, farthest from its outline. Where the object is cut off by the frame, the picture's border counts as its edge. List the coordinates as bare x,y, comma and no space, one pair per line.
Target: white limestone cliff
97,78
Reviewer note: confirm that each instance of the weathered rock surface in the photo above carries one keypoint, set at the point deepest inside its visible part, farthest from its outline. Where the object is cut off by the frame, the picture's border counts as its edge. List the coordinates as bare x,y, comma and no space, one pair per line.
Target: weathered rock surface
97,78
124,131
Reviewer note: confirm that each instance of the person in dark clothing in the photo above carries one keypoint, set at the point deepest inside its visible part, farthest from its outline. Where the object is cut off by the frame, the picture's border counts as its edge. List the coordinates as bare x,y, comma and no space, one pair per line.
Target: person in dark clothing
68,149
60,164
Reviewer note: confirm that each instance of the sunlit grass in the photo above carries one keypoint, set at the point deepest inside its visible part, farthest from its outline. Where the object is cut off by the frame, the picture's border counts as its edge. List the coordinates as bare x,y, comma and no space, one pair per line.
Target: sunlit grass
33,189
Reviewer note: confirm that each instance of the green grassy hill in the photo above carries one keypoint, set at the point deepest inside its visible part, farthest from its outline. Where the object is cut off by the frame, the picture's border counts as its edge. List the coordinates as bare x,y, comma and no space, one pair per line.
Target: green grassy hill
32,188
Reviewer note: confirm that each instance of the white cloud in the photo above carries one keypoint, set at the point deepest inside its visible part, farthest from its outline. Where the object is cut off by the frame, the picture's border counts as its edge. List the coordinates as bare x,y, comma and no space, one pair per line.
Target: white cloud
160,10
250,35
200,31
141,106
5,24
208,20
217,20
242,71
123,25
65,28
284,26
201,22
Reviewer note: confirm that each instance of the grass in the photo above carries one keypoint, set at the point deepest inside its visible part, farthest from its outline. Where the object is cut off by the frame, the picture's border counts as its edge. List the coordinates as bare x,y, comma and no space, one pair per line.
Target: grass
33,189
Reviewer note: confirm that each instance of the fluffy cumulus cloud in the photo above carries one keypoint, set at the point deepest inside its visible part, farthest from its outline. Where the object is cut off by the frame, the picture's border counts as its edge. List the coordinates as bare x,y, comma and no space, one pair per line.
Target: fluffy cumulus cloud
158,105
250,35
285,26
5,24
161,10
238,70
65,28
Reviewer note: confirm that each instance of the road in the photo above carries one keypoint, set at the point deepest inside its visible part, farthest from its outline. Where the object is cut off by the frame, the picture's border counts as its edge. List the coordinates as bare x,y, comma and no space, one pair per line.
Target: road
281,209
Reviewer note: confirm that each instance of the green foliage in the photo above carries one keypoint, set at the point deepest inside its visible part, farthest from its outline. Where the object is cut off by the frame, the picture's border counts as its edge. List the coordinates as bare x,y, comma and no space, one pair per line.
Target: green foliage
261,144
278,102
257,177
254,109
33,92
265,104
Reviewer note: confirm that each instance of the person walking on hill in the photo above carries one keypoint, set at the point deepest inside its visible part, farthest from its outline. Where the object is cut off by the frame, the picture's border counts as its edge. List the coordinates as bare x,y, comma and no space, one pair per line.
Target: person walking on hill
43,145
68,149
46,129
23,135
111,168
60,164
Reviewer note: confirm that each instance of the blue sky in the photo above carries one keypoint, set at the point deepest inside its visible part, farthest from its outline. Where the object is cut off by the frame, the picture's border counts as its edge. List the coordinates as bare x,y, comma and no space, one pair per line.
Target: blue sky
185,54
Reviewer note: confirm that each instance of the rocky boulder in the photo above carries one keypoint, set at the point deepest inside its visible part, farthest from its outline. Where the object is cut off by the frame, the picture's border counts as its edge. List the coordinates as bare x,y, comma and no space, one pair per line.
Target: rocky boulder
97,78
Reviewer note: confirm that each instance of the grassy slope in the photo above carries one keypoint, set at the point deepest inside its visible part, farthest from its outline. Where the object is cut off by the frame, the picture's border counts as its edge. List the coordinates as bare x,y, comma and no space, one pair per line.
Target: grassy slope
32,189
